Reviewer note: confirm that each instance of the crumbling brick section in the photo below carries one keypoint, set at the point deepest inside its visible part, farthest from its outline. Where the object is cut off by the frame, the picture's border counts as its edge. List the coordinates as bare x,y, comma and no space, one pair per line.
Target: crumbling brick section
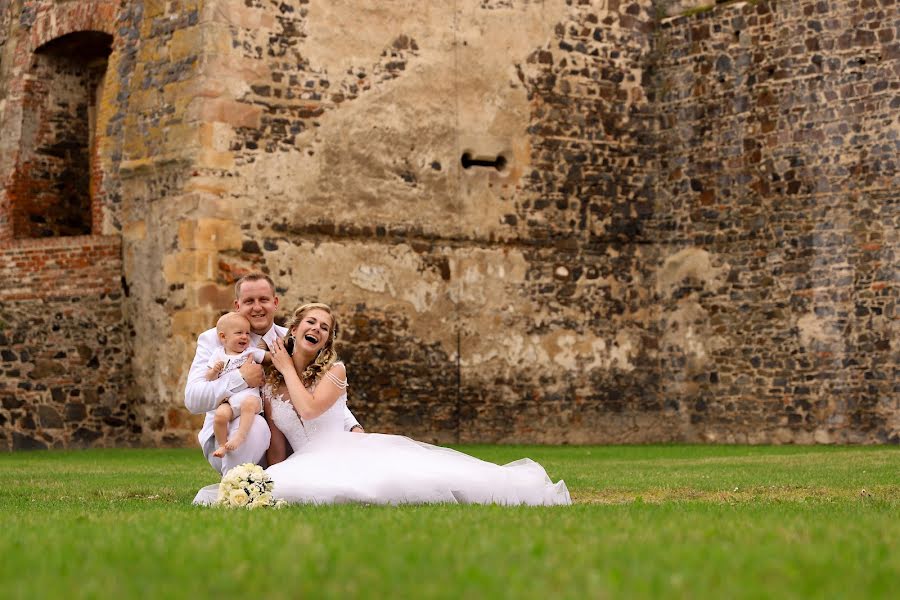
64,363
65,359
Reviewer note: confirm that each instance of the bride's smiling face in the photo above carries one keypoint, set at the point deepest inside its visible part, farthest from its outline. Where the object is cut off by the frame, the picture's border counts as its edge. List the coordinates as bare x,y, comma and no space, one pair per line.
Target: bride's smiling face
313,331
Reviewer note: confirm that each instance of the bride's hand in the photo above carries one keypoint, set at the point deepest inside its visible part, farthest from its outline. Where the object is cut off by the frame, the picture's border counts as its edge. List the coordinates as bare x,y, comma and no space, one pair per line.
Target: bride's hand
280,358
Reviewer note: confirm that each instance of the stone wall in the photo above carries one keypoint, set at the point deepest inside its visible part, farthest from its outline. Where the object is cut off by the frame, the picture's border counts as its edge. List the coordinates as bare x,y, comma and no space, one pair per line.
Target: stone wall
777,209
64,345
481,304
558,221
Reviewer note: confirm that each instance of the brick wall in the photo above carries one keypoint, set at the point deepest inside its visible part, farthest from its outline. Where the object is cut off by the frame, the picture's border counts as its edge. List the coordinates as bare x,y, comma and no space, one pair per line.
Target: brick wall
64,345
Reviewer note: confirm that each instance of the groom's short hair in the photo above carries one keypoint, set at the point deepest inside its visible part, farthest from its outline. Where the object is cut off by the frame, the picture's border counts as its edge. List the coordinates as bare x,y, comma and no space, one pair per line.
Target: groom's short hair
252,277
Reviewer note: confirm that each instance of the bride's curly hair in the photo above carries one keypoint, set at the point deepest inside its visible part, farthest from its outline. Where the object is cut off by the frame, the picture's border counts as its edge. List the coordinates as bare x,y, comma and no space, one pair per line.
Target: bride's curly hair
326,357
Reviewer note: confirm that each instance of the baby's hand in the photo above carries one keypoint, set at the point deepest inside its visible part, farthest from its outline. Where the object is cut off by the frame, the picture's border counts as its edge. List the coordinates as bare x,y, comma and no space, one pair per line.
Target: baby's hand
213,372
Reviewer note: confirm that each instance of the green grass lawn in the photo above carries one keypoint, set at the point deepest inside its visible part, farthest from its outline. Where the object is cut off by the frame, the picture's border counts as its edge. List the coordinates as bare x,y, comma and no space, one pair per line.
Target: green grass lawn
648,522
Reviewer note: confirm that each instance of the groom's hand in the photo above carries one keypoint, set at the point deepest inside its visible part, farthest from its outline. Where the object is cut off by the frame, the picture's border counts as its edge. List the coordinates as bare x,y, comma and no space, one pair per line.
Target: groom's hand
252,373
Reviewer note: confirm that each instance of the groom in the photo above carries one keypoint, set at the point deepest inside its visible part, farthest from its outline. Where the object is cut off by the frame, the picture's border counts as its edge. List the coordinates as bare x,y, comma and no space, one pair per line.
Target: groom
255,299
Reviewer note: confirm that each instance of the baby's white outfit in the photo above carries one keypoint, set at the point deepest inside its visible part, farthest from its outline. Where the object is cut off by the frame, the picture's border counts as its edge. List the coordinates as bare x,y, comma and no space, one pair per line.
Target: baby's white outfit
234,362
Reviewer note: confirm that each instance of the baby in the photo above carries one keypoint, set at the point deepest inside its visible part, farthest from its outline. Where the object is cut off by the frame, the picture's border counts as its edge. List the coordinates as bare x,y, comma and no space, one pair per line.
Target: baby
234,333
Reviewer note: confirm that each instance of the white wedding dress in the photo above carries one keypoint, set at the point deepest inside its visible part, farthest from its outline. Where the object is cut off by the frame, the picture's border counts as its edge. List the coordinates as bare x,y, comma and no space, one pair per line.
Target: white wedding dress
331,466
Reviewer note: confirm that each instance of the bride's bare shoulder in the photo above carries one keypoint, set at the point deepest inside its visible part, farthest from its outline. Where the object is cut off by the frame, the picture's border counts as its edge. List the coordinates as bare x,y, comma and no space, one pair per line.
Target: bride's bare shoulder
337,375
338,369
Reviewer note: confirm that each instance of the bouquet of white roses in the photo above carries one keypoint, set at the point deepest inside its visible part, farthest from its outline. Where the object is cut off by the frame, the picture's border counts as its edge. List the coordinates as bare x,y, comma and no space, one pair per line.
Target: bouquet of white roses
247,486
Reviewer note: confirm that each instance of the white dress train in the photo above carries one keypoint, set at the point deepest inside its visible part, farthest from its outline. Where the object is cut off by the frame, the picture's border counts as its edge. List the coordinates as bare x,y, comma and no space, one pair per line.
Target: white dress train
331,466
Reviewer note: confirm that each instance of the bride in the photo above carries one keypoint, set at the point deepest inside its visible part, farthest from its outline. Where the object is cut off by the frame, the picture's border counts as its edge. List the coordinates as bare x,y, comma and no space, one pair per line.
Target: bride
304,400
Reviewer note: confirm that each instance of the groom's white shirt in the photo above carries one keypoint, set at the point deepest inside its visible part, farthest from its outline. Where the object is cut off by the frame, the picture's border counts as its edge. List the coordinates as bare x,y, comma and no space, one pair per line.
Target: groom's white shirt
201,395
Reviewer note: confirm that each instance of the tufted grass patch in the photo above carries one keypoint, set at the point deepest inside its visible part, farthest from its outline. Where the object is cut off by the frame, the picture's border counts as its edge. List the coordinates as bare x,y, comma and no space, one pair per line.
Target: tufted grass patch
648,522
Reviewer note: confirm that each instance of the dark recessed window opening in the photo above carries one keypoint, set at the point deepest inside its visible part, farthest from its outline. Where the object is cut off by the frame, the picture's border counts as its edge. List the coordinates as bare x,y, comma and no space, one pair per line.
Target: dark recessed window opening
53,183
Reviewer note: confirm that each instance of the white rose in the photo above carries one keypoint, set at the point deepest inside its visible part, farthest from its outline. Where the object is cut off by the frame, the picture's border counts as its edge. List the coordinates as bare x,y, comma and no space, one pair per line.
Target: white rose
238,498
265,499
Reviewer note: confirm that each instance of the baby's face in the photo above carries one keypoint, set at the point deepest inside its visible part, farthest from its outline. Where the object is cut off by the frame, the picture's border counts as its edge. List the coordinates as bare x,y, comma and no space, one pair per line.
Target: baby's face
235,335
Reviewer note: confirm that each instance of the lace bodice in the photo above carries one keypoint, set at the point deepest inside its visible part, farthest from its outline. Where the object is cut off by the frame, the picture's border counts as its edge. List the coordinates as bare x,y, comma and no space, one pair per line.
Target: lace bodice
299,433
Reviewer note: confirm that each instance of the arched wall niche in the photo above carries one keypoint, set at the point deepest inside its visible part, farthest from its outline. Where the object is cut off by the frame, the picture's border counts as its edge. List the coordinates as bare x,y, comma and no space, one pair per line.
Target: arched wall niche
55,181
71,16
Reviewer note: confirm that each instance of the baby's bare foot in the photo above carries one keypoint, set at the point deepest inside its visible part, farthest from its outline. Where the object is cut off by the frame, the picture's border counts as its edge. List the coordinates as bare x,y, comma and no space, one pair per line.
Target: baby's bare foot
234,443
220,451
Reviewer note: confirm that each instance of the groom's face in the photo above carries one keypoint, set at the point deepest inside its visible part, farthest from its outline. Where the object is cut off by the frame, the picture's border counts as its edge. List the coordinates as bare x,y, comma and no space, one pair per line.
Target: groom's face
257,301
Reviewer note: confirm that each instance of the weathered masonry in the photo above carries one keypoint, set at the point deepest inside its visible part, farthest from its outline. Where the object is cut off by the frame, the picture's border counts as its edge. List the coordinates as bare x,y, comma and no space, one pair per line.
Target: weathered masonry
565,221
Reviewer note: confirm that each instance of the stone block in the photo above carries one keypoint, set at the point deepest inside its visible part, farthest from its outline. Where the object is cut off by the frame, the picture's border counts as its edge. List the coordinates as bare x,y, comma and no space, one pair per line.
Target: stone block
21,441
211,159
84,436
135,231
44,369
217,186
190,265
75,412
155,8
183,136
823,436
239,15
48,417
215,296
216,136
210,234
11,402
186,43
191,323
236,114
